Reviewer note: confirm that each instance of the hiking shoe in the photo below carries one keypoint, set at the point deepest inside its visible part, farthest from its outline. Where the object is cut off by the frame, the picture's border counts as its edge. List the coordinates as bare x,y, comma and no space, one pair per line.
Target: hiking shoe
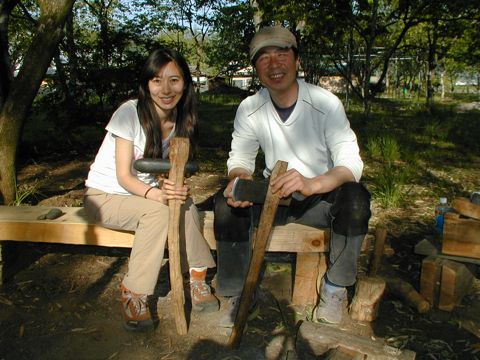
331,305
228,319
201,293
135,310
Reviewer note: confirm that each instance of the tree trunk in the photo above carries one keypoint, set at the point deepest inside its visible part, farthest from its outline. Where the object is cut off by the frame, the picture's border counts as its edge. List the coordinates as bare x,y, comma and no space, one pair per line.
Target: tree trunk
25,87
6,74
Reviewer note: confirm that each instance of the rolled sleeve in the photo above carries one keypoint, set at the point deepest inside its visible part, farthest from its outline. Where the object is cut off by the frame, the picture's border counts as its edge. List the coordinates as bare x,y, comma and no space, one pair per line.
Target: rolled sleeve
245,144
342,142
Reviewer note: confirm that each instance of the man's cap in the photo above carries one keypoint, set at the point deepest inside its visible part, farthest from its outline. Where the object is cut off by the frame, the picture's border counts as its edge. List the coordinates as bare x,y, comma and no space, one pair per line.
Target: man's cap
271,36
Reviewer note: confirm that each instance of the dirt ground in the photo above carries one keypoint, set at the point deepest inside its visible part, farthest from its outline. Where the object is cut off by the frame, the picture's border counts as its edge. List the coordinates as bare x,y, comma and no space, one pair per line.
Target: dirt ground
65,304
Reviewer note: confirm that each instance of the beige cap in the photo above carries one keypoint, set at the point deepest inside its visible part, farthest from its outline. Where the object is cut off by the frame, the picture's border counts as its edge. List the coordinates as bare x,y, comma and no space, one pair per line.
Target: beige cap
271,36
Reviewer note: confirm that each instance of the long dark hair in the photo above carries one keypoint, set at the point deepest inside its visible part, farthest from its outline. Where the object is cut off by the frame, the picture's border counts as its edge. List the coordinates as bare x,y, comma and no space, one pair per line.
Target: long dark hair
186,109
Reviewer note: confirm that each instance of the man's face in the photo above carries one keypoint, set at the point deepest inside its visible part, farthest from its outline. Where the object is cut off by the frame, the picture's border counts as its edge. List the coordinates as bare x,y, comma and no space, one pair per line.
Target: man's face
277,69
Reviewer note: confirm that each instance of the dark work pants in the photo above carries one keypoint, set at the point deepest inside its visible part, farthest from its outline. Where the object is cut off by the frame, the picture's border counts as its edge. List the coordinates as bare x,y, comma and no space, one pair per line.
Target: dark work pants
346,210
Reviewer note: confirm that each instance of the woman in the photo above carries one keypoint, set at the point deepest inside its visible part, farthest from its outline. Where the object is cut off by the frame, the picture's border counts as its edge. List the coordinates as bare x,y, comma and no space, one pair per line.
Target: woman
118,196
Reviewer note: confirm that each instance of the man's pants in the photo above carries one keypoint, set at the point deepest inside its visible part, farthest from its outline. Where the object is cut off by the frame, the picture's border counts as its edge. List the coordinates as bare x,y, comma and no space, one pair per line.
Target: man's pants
346,210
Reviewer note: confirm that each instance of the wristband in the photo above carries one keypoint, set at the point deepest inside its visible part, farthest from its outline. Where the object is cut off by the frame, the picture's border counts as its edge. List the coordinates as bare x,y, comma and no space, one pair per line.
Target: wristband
148,190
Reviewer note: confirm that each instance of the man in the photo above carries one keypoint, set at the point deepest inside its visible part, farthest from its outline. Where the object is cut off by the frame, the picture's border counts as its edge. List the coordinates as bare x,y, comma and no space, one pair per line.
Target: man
305,126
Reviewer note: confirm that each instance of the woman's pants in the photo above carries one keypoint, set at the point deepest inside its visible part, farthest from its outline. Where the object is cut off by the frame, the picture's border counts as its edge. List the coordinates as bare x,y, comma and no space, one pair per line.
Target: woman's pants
149,220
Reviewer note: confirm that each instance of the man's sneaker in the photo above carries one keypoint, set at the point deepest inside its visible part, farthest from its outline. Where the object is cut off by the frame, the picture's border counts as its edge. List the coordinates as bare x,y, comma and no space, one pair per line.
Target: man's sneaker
135,310
201,294
330,308
228,319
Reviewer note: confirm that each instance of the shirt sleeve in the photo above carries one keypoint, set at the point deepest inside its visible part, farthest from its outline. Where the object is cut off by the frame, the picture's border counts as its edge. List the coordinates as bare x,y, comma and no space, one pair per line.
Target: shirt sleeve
245,144
124,122
342,141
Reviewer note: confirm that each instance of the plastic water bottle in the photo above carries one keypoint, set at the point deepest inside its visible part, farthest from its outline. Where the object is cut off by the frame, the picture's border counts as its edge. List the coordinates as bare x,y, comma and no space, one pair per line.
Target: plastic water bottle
440,209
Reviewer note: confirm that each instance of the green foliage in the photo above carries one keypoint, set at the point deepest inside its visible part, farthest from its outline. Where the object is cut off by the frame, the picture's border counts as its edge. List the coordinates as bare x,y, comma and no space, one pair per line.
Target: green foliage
385,148
26,192
387,190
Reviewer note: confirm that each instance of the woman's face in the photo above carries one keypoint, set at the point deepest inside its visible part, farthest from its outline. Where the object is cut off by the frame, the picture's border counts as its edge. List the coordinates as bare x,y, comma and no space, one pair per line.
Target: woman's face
166,88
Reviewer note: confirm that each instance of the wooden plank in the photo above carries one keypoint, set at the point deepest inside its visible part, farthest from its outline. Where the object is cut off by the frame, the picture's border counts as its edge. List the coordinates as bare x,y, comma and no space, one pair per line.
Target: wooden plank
465,207
430,279
455,284
461,237
21,224
308,268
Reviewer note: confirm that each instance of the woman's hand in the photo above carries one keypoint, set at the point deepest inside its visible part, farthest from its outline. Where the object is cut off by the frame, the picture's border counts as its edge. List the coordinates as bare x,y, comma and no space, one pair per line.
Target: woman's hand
168,191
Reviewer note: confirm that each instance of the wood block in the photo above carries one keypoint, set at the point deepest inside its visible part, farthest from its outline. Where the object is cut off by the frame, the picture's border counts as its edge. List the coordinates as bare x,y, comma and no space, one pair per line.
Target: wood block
308,268
430,279
319,339
455,283
466,208
461,237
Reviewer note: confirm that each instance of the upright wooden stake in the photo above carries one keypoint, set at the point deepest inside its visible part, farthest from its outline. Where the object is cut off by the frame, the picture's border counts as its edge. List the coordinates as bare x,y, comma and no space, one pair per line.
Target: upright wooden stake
261,240
179,148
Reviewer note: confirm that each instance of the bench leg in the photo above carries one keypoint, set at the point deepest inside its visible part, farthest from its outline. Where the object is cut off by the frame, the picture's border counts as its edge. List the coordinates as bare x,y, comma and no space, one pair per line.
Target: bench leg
309,267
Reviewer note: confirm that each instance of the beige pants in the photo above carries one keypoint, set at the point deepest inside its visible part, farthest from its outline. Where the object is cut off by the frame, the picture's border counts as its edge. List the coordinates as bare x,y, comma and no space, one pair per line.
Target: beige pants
149,220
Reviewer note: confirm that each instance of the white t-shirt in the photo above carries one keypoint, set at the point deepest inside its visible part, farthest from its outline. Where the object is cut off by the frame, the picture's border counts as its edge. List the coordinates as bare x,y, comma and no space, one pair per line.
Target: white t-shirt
315,138
125,124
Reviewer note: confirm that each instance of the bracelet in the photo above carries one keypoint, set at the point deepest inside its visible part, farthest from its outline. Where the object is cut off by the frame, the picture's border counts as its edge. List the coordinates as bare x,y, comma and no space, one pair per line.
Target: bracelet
148,190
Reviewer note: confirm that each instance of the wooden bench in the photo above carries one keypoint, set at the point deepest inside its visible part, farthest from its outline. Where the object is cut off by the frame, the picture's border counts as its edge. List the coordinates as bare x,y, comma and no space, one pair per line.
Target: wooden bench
73,227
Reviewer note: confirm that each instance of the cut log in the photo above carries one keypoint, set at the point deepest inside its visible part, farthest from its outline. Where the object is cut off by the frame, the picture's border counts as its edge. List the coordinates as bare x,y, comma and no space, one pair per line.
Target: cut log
461,237
406,292
455,284
319,339
466,208
365,303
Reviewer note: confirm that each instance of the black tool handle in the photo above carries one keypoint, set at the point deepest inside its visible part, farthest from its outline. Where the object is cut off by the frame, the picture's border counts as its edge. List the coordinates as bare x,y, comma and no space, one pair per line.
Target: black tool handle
159,166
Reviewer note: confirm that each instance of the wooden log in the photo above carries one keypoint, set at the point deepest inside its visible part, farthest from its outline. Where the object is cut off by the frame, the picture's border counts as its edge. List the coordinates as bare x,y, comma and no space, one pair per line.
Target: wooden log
466,208
319,339
179,148
461,237
365,303
455,284
406,292
261,239
430,279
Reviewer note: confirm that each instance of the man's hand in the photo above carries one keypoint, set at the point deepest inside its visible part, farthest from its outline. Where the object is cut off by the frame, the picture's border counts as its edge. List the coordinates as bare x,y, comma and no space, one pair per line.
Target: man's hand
228,194
292,181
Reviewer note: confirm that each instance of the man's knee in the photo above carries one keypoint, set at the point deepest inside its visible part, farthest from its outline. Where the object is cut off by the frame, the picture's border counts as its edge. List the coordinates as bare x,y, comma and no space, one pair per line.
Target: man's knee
351,210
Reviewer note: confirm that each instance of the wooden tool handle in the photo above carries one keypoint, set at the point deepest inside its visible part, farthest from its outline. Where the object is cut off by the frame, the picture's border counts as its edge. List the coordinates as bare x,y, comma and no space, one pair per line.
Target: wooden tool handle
179,148
261,237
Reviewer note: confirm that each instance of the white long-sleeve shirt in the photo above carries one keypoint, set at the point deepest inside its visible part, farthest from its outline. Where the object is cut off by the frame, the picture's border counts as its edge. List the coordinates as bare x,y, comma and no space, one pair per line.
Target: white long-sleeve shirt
315,138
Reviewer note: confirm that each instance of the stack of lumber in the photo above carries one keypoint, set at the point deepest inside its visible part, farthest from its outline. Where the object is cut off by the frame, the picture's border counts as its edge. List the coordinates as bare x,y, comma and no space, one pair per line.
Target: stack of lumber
461,233
448,276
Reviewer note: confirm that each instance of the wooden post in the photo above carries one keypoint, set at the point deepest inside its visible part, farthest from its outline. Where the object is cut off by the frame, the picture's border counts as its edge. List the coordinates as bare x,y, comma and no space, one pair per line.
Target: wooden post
179,148
261,239
380,237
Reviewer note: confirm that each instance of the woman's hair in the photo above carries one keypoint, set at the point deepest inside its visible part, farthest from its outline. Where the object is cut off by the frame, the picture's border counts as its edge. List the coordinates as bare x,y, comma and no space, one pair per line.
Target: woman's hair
185,113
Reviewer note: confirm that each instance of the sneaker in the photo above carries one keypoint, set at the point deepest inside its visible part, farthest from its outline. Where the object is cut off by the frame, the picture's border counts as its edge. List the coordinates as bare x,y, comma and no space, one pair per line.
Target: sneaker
331,305
228,319
201,294
136,312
